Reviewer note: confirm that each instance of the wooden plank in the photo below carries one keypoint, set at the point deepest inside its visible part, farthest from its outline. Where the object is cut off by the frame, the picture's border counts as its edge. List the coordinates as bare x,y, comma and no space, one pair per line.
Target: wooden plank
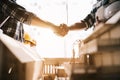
101,45
19,50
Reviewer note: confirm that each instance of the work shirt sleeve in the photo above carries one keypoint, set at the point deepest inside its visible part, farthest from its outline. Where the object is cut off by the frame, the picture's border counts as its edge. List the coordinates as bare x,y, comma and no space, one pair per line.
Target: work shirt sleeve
90,19
16,11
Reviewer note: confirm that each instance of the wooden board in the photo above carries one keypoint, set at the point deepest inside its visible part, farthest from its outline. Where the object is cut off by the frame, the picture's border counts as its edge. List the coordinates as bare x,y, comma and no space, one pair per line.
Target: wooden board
23,53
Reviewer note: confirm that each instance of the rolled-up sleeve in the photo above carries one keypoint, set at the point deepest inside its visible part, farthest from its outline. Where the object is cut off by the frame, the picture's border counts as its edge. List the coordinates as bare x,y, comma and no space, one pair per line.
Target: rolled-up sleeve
23,16
89,20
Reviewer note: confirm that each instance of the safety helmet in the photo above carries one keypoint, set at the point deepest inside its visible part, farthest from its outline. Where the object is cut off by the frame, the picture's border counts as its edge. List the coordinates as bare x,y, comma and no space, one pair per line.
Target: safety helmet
107,11
29,40
112,9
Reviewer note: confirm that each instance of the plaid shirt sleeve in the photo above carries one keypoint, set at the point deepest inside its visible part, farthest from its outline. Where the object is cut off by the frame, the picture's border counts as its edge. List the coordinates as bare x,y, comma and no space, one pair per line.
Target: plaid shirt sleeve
16,11
90,19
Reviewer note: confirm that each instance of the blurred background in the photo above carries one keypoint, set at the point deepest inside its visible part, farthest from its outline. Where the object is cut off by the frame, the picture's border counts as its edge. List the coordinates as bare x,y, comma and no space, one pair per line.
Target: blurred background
57,11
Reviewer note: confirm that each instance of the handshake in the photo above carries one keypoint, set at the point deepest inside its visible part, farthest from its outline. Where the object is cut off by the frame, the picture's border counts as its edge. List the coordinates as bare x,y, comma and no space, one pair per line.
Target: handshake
61,30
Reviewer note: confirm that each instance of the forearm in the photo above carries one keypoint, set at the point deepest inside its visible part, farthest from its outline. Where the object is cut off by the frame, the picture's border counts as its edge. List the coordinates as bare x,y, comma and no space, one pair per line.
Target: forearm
36,21
20,14
86,23
77,26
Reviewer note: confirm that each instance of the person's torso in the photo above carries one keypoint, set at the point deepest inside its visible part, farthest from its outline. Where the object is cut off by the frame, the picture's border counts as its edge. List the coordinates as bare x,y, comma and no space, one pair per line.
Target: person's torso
11,27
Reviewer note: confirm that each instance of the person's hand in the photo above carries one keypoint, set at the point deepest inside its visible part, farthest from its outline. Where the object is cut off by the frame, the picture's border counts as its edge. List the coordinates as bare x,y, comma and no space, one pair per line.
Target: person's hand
62,30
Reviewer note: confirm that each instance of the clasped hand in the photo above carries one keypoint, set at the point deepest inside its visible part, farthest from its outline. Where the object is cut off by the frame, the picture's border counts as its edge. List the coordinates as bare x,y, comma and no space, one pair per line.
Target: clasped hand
61,30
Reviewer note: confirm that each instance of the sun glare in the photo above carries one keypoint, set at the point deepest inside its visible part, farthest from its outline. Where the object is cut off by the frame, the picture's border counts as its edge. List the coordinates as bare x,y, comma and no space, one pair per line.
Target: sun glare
57,12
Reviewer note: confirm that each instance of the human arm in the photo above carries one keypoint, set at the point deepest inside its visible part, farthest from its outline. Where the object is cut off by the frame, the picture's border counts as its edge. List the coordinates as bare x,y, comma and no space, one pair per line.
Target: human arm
77,26
19,13
86,23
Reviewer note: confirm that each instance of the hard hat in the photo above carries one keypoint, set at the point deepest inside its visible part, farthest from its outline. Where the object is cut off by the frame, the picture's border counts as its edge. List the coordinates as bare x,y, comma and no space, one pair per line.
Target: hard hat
29,40
27,37
112,9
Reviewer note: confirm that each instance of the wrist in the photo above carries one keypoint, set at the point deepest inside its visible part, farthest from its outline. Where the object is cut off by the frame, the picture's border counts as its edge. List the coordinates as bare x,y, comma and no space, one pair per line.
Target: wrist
70,28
